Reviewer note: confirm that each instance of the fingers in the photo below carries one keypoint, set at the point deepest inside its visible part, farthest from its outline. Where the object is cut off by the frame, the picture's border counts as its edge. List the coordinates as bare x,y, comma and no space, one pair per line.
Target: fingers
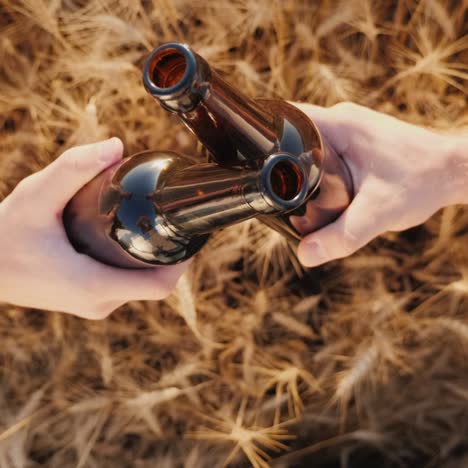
357,226
335,122
59,181
105,288
135,285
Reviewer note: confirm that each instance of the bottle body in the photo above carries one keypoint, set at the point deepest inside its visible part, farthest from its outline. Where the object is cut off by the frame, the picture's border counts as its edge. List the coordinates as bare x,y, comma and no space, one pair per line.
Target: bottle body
239,131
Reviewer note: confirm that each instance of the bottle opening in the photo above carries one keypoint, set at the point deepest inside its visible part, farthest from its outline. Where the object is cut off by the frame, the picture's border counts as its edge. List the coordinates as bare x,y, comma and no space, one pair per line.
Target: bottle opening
286,180
169,68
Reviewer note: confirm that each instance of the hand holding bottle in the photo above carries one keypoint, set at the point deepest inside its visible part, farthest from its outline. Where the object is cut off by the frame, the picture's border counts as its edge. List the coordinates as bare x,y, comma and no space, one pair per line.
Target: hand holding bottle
39,268
402,174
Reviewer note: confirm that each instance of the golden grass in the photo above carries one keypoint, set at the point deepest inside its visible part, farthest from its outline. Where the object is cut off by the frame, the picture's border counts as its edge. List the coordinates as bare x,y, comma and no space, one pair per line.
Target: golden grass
252,361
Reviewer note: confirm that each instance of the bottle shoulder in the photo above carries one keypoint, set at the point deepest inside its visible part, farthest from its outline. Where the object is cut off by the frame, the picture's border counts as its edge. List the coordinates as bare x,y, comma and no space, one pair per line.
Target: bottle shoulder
297,132
136,221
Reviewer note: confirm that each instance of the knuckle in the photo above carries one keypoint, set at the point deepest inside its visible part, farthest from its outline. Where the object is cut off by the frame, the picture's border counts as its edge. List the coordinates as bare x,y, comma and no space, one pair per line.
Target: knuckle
80,308
69,160
160,293
352,117
345,107
348,112
102,311
95,311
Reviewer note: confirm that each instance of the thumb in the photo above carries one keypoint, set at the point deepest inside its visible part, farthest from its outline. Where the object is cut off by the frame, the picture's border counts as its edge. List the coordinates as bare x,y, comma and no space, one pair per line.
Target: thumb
61,179
352,230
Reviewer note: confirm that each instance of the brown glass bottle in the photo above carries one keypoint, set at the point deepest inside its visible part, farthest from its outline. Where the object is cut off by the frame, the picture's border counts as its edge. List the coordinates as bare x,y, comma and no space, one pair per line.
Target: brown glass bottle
239,131
158,208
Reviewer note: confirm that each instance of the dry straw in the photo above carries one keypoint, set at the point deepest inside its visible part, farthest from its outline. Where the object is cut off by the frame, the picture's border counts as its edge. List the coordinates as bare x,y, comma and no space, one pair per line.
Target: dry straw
252,361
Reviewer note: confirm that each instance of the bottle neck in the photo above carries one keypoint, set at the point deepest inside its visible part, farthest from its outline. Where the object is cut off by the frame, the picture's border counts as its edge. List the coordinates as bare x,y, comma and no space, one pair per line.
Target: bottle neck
203,198
227,122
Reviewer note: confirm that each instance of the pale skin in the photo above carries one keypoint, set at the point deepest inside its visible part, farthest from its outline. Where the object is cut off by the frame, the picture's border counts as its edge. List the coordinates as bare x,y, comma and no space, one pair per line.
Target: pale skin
402,175
40,268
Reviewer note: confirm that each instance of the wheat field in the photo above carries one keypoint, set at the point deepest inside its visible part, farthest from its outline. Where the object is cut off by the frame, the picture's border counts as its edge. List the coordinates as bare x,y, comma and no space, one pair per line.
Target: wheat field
252,361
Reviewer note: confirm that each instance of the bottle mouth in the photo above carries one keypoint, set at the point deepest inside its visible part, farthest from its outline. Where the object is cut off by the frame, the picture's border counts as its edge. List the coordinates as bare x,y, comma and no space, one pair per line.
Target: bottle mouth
169,69
284,181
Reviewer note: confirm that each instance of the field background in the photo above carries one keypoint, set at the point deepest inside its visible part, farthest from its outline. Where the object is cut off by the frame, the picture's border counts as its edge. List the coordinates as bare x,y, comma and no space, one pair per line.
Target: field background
362,362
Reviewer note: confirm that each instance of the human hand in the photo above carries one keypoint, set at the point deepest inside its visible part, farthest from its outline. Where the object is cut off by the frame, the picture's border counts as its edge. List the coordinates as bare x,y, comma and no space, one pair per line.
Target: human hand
402,174
39,268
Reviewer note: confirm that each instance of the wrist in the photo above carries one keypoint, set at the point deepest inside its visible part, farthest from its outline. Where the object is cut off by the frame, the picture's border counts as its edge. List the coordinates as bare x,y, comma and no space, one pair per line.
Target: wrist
455,152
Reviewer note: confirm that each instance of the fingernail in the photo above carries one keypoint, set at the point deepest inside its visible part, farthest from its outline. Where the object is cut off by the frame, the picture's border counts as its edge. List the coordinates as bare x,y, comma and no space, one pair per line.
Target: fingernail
313,253
109,151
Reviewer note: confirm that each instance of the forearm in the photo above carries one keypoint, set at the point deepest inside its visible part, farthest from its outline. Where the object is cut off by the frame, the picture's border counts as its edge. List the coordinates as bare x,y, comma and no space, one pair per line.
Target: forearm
4,264
456,153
